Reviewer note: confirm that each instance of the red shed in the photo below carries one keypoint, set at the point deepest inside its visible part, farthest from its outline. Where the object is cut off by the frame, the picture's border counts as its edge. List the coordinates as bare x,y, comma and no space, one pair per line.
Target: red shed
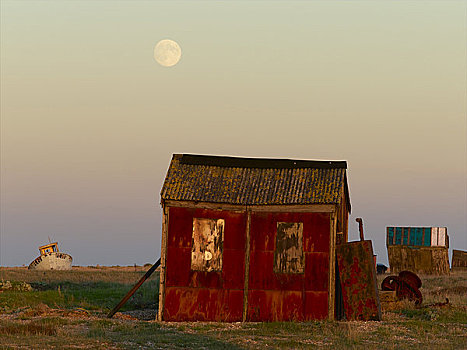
246,239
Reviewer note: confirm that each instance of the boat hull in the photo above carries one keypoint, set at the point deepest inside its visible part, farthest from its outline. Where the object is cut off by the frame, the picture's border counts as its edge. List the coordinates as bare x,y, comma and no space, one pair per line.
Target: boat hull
52,261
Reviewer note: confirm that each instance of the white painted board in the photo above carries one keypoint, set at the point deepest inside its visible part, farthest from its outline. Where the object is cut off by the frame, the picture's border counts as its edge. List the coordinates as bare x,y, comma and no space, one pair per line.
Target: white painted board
439,237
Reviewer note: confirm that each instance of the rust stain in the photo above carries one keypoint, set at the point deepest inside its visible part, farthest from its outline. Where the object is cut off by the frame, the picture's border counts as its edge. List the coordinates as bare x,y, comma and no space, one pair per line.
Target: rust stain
405,285
358,281
201,295
288,255
207,244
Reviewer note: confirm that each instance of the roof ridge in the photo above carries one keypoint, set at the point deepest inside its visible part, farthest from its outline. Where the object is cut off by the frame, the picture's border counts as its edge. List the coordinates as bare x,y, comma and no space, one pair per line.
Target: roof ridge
259,163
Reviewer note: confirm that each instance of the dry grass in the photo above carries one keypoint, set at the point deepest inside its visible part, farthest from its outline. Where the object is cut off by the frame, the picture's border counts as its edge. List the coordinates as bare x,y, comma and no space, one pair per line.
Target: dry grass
435,289
124,275
55,323
46,326
96,289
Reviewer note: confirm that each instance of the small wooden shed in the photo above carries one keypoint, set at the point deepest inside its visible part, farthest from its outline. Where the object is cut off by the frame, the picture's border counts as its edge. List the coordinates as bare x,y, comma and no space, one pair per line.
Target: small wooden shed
246,239
421,250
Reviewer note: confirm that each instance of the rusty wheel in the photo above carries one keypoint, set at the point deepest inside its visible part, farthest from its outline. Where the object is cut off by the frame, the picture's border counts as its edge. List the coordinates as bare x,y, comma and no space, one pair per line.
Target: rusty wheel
411,278
389,283
404,290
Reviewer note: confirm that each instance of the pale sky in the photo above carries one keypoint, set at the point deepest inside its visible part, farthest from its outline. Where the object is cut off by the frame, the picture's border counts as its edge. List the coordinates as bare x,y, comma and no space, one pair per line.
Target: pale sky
89,120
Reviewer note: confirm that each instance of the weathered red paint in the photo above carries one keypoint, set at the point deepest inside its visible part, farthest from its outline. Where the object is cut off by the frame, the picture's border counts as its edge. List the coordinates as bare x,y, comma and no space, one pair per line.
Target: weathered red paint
316,271
315,230
279,296
316,305
406,285
267,305
218,296
203,304
199,295
358,280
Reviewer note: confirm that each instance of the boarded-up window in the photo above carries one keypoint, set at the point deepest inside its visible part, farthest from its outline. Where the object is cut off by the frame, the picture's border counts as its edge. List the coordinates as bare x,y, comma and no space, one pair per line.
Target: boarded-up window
207,242
288,256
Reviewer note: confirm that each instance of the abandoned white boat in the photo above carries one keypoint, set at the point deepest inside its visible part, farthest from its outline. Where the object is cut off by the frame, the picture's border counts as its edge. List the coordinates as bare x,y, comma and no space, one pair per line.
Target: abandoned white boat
51,259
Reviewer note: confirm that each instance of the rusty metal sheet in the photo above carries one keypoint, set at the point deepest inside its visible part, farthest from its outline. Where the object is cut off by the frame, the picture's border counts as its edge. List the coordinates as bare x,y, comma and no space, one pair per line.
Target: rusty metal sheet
233,274
192,294
358,281
263,277
406,286
316,305
267,305
315,230
208,295
272,306
279,296
201,304
178,266
316,271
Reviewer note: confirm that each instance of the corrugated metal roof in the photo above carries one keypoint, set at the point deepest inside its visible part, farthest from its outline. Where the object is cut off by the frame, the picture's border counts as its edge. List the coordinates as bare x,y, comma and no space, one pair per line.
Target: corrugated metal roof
252,181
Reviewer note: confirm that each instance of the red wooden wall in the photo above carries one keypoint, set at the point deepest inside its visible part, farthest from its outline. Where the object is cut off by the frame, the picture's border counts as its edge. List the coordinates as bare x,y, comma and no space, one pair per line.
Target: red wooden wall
218,296
197,295
282,297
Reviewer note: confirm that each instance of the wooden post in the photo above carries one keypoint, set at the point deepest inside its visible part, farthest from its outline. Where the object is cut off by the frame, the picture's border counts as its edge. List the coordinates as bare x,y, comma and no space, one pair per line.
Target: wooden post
247,266
332,266
165,229
360,228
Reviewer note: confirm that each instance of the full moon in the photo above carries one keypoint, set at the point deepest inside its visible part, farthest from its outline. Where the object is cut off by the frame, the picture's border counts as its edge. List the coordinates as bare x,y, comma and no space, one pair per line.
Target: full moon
167,53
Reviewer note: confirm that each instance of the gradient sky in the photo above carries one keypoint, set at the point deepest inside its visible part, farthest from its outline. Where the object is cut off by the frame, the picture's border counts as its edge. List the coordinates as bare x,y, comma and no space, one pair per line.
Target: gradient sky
90,121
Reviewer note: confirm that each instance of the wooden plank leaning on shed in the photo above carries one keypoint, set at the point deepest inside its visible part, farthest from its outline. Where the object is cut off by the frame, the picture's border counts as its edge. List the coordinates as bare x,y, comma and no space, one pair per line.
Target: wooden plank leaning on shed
358,279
